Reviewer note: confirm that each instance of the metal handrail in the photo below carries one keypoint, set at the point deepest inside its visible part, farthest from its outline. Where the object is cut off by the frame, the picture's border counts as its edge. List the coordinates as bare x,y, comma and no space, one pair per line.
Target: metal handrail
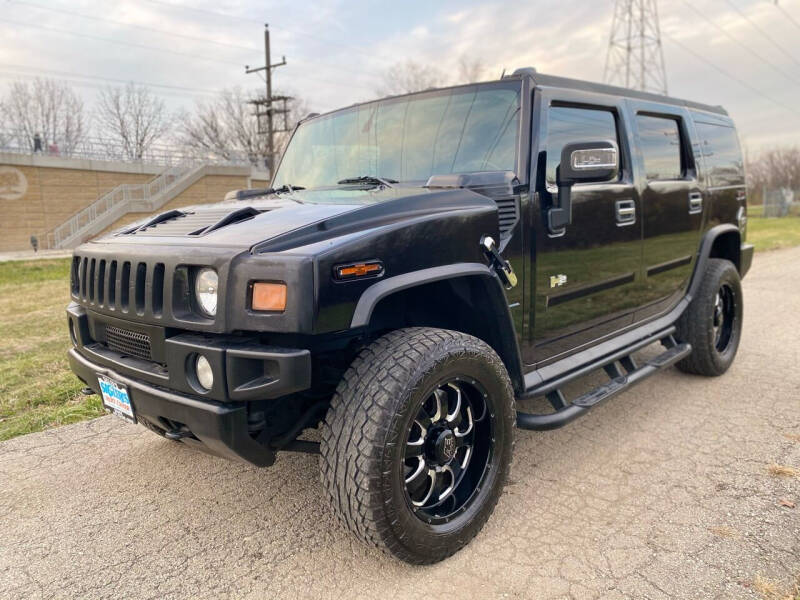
99,148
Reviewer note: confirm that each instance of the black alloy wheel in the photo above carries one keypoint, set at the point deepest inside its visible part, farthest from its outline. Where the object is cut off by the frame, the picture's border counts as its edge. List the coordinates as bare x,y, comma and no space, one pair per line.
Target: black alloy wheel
448,450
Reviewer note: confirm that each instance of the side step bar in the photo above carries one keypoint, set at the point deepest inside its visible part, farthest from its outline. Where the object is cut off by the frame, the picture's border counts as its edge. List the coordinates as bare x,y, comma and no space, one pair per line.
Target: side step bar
622,371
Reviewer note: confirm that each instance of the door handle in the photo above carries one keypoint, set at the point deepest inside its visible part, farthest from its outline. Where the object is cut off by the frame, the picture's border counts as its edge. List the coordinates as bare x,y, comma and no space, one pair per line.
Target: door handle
695,203
626,212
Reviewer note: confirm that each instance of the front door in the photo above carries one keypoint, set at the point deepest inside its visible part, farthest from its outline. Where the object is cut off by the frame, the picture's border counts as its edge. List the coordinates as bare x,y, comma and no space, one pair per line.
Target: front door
583,276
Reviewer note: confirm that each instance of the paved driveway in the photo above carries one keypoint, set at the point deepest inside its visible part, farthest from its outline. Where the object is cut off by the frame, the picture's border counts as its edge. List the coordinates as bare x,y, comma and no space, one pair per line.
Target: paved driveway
664,492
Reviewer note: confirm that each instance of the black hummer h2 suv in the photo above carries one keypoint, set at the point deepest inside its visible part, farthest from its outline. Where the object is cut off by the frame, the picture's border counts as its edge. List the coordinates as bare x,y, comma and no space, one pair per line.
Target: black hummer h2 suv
420,263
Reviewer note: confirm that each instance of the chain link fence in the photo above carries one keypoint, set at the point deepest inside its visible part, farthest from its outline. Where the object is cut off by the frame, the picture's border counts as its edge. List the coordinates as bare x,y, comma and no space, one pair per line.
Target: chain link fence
777,203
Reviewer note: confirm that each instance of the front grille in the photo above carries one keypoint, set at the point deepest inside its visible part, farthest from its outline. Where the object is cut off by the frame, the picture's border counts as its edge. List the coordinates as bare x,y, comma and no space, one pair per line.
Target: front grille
119,285
130,343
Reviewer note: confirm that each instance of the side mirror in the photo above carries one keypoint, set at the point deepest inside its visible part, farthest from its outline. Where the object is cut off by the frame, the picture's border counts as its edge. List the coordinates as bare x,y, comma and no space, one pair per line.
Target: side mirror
582,162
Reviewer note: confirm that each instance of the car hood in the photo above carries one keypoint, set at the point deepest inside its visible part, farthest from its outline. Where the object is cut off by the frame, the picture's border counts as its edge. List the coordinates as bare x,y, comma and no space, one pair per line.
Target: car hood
289,220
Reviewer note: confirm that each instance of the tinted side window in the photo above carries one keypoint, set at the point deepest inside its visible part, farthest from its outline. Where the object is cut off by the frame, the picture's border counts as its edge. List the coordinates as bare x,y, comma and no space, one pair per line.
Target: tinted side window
660,140
567,125
723,158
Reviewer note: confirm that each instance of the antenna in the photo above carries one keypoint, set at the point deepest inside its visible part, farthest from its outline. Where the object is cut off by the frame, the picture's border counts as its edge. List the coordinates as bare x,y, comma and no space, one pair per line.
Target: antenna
635,58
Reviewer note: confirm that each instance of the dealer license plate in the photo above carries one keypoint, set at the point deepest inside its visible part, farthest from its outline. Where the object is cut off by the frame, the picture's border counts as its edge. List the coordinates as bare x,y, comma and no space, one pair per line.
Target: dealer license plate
116,399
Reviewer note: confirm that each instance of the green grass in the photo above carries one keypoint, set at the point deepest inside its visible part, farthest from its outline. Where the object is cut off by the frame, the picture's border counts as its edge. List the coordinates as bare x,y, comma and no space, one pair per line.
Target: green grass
771,234
37,389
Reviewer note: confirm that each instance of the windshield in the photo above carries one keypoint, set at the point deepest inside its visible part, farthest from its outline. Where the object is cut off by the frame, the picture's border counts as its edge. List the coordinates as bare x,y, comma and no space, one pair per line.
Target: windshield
408,139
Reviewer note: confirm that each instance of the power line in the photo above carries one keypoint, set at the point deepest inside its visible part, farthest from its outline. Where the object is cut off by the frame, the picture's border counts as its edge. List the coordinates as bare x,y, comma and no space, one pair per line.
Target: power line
120,42
66,74
172,34
792,20
740,43
162,49
762,32
312,36
730,76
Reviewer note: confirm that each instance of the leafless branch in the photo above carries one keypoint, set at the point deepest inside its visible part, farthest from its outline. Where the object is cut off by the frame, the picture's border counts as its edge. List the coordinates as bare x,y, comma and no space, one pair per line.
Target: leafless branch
47,107
133,116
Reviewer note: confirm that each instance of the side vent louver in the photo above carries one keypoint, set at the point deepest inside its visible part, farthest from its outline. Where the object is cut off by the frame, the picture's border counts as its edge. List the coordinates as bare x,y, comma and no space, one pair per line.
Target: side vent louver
497,185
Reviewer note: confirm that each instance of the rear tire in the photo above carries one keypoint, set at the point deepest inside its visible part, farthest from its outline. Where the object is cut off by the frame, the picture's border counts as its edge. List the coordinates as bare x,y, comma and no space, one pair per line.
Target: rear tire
712,323
416,446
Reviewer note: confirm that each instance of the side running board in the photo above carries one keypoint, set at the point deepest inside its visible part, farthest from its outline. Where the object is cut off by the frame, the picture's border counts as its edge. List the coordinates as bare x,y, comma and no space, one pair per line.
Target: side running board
622,371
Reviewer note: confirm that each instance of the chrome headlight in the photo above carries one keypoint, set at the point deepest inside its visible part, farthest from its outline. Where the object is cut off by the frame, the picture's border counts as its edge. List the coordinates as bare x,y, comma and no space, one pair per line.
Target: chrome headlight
205,290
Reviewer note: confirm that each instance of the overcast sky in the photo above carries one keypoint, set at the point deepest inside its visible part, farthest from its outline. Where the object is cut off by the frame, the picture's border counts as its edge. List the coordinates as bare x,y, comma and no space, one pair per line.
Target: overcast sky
747,59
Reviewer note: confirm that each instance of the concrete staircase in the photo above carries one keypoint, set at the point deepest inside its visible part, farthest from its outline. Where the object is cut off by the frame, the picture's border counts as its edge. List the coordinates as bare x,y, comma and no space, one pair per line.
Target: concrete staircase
124,199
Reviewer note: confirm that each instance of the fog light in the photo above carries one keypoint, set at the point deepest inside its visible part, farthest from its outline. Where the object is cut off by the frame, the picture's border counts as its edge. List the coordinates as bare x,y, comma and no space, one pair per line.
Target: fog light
202,369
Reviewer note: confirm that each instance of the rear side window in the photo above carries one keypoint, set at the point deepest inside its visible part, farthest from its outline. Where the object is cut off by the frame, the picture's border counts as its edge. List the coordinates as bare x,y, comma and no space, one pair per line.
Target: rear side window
567,125
660,140
721,152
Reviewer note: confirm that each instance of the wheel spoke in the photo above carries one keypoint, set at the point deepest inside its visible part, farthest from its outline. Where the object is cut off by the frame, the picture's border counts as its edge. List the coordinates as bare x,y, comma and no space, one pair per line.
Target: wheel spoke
432,476
445,483
415,448
418,470
451,415
457,431
467,456
440,401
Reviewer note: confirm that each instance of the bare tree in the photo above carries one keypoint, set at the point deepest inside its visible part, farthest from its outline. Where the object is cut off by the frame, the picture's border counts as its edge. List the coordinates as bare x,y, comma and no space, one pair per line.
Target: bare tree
774,168
410,76
132,116
226,126
47,107
470,70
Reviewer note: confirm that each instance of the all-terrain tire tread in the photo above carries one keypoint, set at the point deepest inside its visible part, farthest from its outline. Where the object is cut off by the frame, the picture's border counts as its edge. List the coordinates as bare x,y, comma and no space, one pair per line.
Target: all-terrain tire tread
355,431
694,323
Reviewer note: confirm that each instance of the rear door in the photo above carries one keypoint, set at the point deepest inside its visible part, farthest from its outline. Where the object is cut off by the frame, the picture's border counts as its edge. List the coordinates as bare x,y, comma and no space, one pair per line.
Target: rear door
673,202
583,276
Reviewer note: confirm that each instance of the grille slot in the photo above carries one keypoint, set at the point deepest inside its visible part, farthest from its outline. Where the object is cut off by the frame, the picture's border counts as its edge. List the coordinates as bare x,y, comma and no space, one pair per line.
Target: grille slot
121,285
130,343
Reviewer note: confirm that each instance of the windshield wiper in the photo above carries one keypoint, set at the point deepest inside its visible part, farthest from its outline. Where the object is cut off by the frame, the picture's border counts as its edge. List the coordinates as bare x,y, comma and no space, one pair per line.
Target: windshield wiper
371,179
287,188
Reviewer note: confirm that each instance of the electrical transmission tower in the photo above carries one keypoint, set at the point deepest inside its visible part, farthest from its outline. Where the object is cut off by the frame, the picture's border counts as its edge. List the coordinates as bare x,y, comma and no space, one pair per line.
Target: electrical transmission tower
270,106
635,58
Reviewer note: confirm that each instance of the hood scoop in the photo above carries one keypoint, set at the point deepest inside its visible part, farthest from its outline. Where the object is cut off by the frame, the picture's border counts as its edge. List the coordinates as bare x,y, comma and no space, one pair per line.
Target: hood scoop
192,223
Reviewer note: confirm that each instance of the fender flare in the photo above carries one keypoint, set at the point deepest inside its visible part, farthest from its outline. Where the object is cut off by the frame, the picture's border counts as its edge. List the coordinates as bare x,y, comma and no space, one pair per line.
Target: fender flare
509,347
704,253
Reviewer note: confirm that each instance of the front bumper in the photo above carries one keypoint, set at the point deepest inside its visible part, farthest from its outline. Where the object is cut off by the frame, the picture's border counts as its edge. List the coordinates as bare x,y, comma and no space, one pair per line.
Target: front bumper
216,427
165,394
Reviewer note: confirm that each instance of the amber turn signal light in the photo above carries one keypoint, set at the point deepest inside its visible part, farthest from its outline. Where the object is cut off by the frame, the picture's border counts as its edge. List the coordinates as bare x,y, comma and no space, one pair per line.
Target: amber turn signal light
269,296
358,270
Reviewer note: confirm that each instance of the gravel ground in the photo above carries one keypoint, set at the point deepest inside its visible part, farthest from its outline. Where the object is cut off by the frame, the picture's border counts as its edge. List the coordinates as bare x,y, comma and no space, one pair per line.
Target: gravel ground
664,492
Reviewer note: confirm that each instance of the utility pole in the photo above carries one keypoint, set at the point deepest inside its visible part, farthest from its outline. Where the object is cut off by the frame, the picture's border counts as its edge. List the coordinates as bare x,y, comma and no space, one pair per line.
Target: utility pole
635,58
267,107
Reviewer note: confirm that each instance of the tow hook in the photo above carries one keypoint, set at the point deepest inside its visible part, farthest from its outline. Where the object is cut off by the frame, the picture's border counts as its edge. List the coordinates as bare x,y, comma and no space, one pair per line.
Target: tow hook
177,434
498,263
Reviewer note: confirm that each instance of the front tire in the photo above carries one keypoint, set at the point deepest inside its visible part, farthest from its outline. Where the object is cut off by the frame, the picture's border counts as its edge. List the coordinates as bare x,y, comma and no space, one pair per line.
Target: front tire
712,323
416,446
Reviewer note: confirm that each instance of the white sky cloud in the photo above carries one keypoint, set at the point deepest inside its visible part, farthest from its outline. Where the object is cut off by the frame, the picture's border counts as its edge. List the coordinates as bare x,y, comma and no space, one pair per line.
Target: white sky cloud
337,50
